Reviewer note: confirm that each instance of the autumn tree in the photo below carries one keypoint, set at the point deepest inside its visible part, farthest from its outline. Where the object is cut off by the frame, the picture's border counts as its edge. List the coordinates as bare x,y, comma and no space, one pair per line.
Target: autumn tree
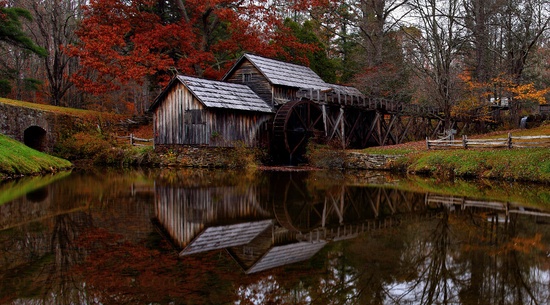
505,39
145,42
472,106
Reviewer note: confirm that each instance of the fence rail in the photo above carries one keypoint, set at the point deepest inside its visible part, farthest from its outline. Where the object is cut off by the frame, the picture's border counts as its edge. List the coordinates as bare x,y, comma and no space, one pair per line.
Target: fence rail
133,140
508,142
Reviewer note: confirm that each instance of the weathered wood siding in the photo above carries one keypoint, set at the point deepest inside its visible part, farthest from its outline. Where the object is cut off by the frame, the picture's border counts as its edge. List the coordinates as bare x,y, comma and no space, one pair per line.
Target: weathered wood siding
185,212
230,128
282,95
257,82
182,120
272,94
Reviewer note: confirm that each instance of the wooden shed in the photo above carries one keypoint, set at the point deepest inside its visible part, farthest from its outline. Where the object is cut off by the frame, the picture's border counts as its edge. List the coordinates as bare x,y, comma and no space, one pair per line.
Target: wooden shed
194,111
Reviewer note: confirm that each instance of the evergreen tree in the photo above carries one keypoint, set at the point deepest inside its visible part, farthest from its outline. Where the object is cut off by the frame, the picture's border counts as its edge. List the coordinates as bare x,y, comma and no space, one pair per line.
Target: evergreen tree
12,36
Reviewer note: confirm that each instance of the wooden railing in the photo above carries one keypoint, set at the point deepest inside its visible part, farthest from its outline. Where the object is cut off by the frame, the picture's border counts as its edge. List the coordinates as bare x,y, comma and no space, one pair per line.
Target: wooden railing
133,140
508,142
368,103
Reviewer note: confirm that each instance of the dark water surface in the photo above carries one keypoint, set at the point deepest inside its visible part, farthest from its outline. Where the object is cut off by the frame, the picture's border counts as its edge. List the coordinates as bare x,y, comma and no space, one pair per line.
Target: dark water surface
219,237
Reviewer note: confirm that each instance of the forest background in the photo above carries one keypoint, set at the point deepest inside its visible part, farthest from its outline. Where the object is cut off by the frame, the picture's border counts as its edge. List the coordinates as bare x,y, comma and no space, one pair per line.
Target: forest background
116,55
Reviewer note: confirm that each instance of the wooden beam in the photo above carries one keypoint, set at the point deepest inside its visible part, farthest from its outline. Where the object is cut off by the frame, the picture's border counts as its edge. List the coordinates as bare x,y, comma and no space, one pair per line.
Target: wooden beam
371,131
343,130
324,110
388,130
353,128
336,124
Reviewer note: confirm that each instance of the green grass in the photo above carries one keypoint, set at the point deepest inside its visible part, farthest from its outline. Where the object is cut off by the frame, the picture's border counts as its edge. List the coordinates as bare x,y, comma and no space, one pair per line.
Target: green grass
50,108
525,194
17,159
17,188
532,164
517,164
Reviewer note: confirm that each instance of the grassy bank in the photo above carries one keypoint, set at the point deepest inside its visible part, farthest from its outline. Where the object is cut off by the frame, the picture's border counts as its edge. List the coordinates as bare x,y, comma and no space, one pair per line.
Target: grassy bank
517,164
18,160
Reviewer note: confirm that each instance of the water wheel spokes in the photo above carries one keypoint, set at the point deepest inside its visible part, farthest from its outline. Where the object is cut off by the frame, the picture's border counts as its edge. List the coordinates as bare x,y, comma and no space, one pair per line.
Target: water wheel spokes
295,123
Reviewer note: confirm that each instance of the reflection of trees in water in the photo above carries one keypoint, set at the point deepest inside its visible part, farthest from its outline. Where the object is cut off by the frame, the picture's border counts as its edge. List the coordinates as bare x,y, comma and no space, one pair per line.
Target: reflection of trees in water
501,267
437,279
37,257
66,253
506,262
459,257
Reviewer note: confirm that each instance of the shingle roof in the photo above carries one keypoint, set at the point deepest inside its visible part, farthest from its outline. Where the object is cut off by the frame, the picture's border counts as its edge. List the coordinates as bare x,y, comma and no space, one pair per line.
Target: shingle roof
346,90
285,74
216,94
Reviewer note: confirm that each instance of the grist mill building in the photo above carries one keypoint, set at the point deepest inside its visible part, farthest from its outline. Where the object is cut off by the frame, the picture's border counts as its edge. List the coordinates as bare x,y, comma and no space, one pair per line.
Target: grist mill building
242,107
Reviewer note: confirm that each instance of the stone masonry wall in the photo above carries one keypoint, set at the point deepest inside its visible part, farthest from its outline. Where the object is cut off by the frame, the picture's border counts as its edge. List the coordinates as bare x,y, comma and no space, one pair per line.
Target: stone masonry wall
203,156
352,160
15,120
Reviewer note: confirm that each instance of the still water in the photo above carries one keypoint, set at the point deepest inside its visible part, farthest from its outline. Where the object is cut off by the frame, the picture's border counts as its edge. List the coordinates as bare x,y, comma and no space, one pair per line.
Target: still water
219,237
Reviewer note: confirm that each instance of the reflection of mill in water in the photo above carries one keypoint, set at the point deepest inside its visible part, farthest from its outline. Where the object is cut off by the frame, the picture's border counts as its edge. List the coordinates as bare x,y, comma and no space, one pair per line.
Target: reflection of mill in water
263,229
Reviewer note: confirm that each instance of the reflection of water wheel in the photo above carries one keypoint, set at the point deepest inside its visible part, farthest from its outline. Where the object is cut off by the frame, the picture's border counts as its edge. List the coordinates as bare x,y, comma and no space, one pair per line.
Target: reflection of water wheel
294,124
296,209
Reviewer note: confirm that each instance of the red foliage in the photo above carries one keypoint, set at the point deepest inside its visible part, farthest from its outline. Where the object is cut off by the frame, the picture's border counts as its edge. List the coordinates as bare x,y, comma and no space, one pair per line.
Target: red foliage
121,272
126,41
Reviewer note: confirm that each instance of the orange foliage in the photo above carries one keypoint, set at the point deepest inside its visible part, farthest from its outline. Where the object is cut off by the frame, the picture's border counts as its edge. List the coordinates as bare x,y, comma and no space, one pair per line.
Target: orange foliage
522,92
473,106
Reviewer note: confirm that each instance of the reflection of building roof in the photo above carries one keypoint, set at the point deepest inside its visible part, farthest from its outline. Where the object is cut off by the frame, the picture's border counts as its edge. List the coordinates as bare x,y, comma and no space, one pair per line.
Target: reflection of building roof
286,254
220,237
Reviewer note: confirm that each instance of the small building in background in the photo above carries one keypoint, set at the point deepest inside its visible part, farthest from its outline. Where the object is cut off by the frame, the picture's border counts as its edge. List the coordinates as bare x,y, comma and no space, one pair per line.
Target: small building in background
200,112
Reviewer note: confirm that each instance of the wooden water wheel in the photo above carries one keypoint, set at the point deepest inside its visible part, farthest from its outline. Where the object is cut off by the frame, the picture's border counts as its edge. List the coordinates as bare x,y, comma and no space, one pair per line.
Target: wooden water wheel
295,124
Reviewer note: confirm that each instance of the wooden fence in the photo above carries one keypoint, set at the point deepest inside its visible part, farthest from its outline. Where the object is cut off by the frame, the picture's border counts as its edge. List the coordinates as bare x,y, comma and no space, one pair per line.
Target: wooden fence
508,142
134,140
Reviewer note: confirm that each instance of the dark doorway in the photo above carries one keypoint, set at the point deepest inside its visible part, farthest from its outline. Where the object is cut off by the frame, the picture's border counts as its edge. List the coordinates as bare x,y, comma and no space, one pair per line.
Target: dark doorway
35,137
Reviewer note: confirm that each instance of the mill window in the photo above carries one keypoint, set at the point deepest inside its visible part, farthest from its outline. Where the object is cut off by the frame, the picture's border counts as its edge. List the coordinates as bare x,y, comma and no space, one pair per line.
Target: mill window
193,116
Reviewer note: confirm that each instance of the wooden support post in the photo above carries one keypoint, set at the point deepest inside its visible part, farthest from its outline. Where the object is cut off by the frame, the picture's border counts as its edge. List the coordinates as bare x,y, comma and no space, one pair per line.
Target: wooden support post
465,141
132,139
335,129
324,110
509,140
406,130
342,127
427,143
388,130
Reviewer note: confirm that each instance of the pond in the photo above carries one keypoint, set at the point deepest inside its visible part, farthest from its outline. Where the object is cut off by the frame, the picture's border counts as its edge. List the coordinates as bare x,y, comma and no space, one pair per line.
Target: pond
271,237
